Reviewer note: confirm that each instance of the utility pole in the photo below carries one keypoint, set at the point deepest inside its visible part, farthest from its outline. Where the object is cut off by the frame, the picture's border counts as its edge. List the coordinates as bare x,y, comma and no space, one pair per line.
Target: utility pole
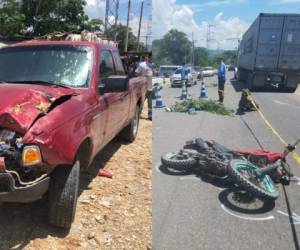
106,15
193,50
112,11
127,26
149,30
208,34
117,12
140,24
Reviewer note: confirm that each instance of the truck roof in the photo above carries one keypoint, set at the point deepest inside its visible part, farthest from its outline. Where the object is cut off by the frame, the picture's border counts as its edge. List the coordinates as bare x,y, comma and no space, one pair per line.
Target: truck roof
78,43
279,14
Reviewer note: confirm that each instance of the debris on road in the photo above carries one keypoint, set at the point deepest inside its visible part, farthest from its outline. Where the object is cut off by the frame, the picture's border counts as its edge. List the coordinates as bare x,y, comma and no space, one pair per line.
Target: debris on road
202,105
245,103
105,173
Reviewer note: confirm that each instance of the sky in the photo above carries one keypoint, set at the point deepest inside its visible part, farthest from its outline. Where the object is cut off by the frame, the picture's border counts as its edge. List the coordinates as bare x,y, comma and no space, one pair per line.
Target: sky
228,19
96,9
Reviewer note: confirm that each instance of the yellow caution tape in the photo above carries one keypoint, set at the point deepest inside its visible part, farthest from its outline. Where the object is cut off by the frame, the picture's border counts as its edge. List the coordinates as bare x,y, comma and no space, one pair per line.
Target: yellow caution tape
294,154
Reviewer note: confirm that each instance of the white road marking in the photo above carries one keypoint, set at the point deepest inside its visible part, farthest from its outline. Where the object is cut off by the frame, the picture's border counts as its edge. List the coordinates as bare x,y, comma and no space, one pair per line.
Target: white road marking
280,103
296,179
271,217
295,217
193,178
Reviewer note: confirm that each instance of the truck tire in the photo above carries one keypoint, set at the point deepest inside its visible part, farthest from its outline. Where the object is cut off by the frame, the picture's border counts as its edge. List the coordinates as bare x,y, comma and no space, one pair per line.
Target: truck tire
249,81
240,75
290,89
63,194
129,133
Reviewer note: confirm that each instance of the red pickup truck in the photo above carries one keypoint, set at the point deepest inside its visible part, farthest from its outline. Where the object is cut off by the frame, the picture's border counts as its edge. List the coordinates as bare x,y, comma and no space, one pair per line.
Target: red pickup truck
61,102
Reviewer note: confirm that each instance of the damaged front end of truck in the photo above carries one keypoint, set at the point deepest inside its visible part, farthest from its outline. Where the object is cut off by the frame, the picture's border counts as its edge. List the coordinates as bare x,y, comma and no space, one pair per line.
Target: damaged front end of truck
24,175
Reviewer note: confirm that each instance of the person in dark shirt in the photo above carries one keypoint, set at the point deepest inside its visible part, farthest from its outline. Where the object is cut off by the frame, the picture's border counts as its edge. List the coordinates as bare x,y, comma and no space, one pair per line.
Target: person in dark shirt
221,79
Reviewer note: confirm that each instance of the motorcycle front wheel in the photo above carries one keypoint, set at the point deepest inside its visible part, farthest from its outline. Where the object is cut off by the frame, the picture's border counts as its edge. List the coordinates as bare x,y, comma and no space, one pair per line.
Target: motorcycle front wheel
178,160
246,176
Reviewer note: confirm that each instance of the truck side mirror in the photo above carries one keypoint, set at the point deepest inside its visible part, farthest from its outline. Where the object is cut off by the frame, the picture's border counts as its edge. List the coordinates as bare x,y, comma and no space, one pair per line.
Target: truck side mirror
114,83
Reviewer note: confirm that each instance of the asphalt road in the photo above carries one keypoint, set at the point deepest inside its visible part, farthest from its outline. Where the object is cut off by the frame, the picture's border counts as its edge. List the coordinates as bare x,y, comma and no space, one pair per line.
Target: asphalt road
197,212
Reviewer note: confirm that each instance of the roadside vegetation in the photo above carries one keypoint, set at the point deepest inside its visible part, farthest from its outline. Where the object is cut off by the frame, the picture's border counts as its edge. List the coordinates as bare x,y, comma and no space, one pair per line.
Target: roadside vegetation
26,19
180,51
203,105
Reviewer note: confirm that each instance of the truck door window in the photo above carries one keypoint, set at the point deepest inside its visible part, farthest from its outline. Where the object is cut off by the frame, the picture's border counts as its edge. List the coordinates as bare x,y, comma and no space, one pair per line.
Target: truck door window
106,64
119,65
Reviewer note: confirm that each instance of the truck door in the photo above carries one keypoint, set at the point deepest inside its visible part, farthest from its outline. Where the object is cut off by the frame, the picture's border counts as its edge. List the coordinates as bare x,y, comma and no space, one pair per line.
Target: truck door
125,96
114,101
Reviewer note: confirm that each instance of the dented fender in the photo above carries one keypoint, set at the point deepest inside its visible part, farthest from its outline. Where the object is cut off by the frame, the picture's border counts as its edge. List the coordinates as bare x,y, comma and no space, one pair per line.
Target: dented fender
60,133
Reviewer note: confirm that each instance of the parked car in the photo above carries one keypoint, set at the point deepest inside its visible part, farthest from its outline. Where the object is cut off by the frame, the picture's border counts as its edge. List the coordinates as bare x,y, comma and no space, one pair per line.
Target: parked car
167,70
231,67
208,71
176,78
61,103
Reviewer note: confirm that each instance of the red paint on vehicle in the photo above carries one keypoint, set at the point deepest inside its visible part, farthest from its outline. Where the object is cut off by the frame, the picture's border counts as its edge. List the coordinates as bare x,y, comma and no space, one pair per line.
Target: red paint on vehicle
87,115
20,104
2,165
271,157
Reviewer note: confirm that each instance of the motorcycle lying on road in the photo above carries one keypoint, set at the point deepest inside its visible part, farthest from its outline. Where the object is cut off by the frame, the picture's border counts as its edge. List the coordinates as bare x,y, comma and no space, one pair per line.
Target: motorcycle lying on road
255,171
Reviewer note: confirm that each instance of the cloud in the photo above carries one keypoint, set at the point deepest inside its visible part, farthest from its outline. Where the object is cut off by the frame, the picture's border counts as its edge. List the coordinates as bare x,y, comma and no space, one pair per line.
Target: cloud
284,1
224,32
95,9
224,2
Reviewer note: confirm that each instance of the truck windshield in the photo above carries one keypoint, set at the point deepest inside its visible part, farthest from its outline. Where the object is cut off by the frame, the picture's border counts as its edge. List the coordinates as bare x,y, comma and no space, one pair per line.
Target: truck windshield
60,64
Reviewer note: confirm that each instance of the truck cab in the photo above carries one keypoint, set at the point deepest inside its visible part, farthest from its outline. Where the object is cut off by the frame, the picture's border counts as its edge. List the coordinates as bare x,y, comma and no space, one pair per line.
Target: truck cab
61,103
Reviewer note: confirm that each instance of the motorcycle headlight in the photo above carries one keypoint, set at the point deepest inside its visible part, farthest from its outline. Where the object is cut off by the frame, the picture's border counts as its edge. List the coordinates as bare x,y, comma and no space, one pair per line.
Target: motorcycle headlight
31,155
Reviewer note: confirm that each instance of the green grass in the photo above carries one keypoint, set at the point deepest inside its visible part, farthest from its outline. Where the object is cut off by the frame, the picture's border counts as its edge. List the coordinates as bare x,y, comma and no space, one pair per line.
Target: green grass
203,105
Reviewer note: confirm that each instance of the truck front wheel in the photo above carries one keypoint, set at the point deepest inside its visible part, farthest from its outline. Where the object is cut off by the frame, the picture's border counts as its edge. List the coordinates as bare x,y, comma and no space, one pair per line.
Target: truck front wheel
63,194
129,133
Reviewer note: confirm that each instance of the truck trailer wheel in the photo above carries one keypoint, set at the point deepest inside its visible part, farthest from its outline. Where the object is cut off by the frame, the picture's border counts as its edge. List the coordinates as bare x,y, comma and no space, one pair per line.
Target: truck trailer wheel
249,81
290,89
63,194
129,133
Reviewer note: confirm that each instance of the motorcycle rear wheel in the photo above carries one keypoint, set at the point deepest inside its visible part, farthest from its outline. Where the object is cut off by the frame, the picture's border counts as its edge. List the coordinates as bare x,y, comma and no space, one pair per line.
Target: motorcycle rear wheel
259,185
178,161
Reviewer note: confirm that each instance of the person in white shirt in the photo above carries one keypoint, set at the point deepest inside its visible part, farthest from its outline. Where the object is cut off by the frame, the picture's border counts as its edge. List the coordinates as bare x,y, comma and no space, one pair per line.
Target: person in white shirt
144,69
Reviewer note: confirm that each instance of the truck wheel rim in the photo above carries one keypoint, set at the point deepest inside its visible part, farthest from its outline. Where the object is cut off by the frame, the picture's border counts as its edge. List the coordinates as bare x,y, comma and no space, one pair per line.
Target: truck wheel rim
135,123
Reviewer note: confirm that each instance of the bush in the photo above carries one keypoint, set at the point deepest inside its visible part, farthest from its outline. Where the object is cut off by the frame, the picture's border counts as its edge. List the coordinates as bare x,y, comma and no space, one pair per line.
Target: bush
203,105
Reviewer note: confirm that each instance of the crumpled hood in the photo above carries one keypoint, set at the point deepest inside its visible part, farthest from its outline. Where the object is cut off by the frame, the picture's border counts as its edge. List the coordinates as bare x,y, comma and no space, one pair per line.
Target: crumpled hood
22,104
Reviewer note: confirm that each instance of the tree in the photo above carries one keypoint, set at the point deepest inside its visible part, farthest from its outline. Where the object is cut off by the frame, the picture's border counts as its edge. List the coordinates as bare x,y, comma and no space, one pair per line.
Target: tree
201,57
174,48
12,21
120,32
94,25
230,56
43,17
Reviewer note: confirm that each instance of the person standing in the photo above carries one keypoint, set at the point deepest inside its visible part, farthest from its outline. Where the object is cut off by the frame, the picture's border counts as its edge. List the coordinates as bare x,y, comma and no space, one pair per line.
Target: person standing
221,79
184,76
144,69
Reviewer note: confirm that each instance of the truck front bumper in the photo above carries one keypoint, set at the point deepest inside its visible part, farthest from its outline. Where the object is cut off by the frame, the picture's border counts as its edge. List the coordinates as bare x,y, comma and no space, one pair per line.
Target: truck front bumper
10,192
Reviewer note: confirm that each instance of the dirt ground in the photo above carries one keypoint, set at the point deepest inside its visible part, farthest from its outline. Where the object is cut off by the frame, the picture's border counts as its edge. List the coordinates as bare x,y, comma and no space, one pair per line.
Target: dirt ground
111,213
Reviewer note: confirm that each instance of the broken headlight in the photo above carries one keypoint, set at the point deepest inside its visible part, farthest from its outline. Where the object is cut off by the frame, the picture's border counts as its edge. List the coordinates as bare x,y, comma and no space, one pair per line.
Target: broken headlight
31,155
